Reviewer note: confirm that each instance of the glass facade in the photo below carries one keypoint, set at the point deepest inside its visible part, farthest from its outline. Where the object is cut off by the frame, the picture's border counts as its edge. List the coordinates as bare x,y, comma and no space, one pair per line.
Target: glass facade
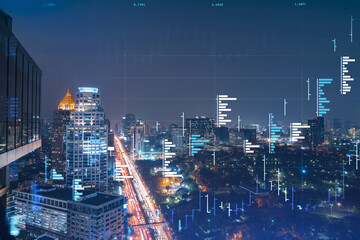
20,81
86,142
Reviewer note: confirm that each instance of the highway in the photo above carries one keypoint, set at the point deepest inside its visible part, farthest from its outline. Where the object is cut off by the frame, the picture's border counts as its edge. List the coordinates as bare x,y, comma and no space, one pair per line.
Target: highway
133,202
140,202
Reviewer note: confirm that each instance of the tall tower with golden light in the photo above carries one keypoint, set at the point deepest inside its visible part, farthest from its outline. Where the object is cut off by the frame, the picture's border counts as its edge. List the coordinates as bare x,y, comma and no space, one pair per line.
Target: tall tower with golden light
67,103
58,153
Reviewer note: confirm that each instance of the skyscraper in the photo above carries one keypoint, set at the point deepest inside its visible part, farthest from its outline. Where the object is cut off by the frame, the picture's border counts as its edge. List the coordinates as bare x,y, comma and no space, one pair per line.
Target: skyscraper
86,142
127,123
222,135
60,120
316,132
20,88
202,126
237,137
117,129
138,136
178,137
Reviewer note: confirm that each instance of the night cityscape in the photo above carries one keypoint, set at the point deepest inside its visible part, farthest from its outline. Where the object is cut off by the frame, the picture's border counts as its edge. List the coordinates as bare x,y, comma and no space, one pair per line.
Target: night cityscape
162,119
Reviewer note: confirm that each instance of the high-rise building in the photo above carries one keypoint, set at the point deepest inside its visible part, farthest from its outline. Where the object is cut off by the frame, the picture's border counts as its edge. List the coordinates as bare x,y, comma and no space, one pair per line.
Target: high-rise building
222,135
86,142
237,137
202,126
20,88
117,129
338,131
178,138
127,123
61,118
316,133
52,210
137,140
108,124
46,139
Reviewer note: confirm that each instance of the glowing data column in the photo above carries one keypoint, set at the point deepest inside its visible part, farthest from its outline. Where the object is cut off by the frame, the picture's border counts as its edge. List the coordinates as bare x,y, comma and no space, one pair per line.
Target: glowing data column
321,99
308,89
274,133
344,75
167,155
221,105
195,144
351,28
77,188
295,131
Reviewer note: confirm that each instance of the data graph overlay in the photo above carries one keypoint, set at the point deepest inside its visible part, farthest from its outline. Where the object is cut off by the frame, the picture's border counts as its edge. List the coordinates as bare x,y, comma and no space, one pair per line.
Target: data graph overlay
351,28
296,131
222,106
321,99
195,144
167,155
55,176
120,173
274,133
249,147
77,189
344,75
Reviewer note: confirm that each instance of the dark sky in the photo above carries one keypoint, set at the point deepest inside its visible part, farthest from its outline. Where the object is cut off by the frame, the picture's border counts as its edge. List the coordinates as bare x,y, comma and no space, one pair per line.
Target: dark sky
173,56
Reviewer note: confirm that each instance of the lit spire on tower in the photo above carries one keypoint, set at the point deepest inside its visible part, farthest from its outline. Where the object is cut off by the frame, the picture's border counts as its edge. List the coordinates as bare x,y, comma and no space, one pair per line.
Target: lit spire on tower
67,103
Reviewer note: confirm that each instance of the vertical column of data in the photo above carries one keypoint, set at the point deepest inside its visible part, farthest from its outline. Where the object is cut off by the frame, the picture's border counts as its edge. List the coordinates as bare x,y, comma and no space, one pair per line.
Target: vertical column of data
222,106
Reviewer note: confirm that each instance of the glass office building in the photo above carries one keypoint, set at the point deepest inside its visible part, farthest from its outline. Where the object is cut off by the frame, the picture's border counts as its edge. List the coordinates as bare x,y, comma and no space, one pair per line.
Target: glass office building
52,210
20,89
60,120
86,142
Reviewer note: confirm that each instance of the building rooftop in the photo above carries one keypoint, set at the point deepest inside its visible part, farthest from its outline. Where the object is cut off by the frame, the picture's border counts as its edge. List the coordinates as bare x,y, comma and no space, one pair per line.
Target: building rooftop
99,199
88,89
61,193
67,103
65,194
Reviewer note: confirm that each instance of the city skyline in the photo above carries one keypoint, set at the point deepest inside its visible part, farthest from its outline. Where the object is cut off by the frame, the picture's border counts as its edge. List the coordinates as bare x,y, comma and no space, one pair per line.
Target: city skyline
275,54
147,120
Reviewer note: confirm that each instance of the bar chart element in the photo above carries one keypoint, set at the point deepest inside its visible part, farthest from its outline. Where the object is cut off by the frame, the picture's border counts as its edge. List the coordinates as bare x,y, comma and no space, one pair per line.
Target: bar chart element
274,133
296,131
167,155
221,107
195,144
344,75
321,99
249,147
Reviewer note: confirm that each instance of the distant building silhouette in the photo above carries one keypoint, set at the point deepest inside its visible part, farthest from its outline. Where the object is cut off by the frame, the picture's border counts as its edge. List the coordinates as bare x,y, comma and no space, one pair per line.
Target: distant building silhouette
137,138
237,138
202,126
316,134
222,135
178,137
128,122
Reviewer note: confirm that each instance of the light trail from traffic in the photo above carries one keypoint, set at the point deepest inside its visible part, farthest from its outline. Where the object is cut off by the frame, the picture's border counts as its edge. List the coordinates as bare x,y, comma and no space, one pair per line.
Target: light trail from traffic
138,196
133,203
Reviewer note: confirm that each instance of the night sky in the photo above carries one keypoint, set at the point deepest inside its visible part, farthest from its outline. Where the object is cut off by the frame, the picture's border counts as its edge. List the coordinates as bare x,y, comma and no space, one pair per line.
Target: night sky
171,56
